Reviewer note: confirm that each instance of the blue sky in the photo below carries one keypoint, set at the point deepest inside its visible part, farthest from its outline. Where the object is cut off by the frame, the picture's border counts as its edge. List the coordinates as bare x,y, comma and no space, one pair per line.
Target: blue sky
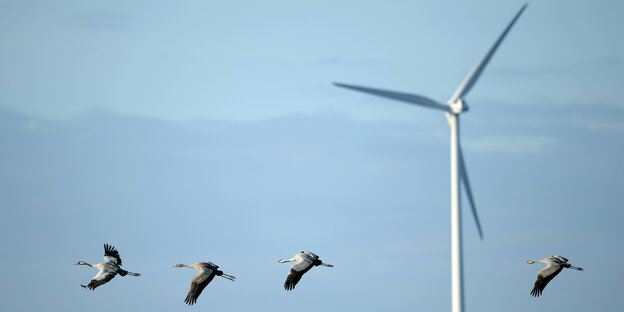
207,131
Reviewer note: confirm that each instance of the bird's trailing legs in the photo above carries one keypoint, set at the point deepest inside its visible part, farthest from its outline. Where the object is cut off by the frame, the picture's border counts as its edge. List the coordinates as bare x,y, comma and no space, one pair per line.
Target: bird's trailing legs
230,277
123,272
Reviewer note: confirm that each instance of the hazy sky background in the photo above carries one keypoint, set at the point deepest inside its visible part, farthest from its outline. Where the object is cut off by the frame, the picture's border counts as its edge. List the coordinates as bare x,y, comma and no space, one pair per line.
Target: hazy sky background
203,131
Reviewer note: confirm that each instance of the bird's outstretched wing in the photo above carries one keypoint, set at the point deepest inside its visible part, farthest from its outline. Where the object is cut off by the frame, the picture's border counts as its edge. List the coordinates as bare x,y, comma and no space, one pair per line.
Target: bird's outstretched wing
199,282
111,254
103,277
544,276
293,278
297,270
560,258
210,265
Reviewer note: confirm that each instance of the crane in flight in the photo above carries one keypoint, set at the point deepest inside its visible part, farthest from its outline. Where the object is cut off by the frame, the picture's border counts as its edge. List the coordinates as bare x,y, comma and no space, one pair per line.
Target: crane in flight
108,269
207,271
304,261
554,265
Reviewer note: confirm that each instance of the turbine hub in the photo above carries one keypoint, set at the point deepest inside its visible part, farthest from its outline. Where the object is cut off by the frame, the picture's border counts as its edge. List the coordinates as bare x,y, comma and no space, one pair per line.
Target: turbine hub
458,107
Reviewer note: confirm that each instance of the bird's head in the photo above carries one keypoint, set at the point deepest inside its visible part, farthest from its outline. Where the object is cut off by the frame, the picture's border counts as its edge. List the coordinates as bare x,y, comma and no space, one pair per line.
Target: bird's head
529,262
80,263
178,265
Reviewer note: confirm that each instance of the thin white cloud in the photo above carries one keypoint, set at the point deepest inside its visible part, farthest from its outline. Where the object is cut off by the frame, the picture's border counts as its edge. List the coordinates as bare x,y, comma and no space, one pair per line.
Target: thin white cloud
101,21
605,126
510,71
520,144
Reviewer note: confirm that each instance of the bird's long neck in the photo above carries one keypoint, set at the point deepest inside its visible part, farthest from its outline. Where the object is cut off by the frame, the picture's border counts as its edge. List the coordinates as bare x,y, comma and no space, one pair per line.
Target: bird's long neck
287,260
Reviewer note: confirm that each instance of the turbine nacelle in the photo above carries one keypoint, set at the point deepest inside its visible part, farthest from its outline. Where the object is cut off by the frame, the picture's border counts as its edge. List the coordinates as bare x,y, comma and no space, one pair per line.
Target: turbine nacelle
458,106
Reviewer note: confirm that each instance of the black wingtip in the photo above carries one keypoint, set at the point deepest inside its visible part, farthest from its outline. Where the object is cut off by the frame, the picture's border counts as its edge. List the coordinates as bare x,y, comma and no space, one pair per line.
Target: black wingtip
190,300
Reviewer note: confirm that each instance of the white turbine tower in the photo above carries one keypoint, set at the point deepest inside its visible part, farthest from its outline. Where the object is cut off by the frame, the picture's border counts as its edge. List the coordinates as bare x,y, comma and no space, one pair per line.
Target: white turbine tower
455,106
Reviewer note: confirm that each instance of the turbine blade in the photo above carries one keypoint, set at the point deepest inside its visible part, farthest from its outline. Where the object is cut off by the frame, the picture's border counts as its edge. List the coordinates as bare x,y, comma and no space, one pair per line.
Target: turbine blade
476,71
405,97
463,175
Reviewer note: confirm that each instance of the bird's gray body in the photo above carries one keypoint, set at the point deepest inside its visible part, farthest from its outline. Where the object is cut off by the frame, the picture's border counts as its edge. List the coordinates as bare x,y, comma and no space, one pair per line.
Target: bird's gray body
554,265
107,269
304,261
207,272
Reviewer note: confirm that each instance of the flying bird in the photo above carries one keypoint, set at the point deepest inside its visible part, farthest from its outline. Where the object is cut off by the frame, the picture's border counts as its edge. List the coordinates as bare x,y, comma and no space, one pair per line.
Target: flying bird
305,260
207,271
554,265
108,269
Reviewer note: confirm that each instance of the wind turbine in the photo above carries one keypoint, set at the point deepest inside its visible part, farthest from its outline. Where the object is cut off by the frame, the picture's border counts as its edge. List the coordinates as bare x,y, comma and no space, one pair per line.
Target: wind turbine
453,108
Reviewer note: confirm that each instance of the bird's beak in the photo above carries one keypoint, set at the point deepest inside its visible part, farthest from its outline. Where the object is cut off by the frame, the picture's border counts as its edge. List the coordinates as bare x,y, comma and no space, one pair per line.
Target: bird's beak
77,263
